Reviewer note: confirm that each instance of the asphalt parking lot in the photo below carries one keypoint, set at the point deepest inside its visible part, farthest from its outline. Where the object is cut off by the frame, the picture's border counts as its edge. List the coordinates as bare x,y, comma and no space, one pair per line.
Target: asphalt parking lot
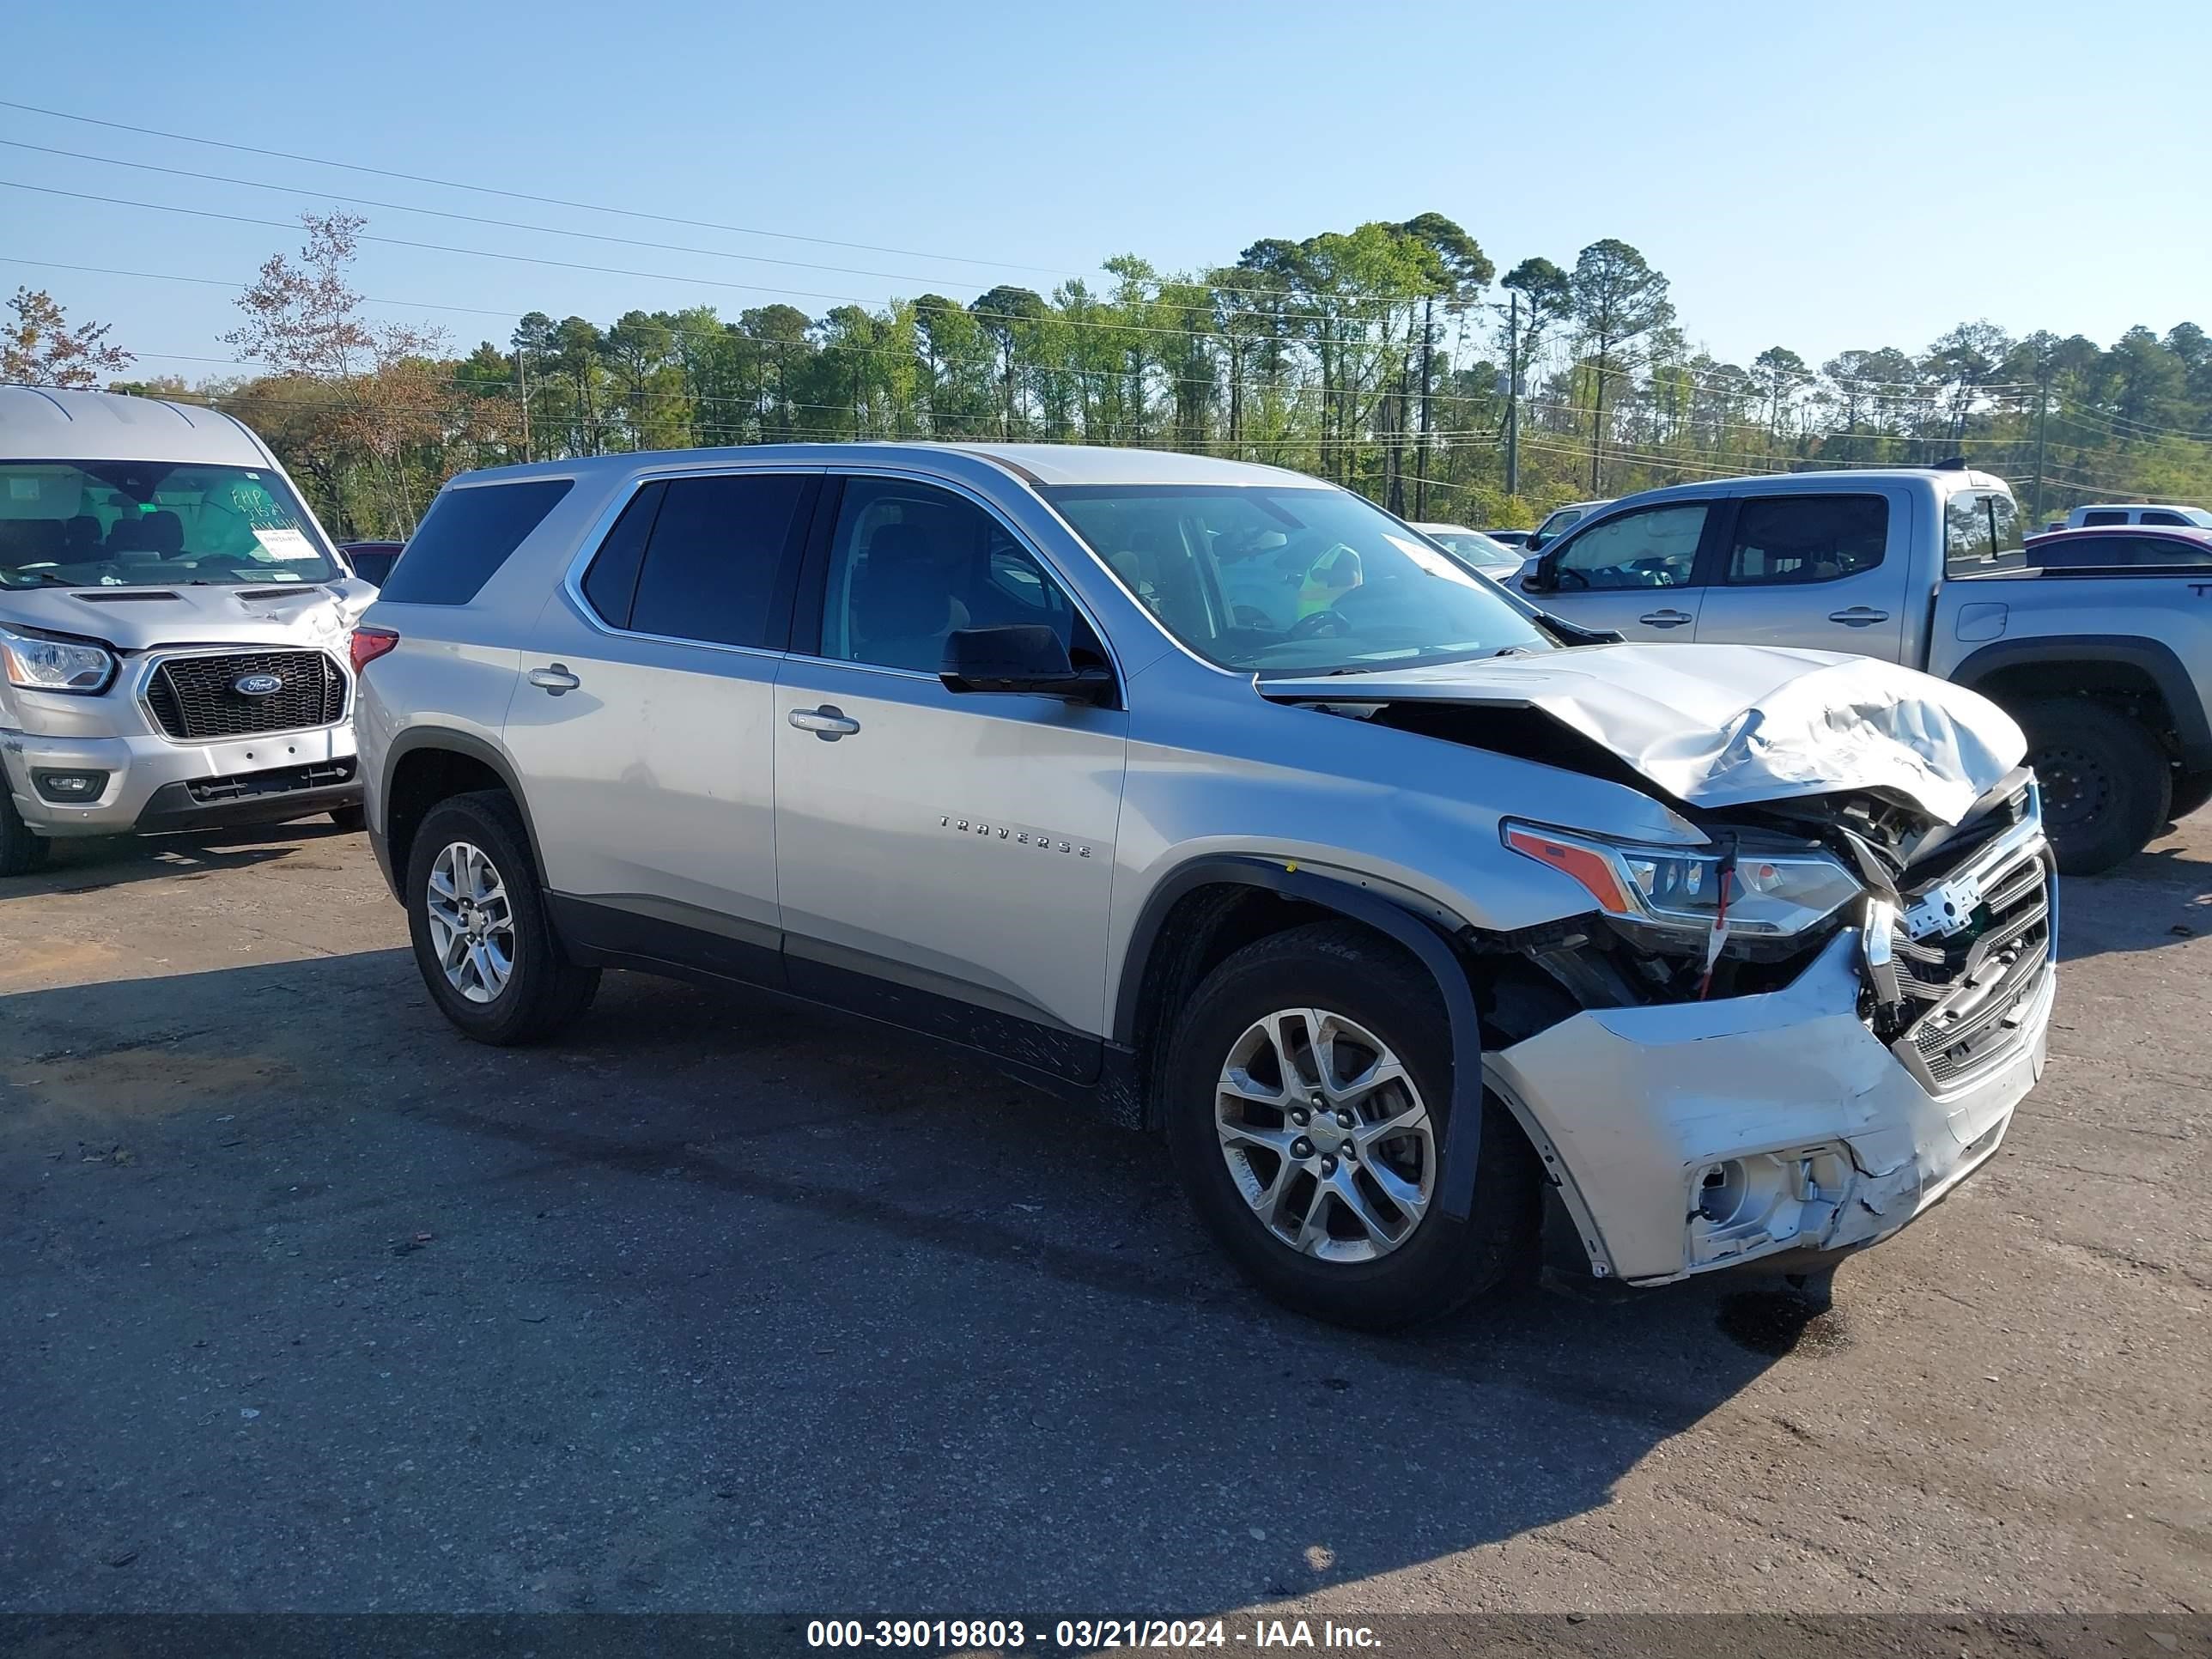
311,1304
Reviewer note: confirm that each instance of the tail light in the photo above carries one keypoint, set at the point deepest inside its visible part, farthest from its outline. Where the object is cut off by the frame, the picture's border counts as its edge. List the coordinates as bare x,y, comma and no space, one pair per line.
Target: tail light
368,644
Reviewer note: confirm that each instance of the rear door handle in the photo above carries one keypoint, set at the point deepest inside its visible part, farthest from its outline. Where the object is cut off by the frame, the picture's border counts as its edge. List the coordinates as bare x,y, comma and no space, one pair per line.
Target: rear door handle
828,722
555,679
1665,618
1858,616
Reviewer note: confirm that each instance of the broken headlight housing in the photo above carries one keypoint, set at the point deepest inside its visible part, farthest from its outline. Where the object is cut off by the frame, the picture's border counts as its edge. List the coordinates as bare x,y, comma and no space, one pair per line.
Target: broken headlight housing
1771,895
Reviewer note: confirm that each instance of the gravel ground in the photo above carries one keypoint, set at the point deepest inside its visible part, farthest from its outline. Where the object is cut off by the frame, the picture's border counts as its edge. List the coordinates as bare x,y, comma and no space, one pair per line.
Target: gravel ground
311,1304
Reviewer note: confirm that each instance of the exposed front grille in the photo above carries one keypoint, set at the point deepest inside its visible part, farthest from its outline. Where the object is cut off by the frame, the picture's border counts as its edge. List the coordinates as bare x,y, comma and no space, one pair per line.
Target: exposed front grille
197,698
1967,988
279,780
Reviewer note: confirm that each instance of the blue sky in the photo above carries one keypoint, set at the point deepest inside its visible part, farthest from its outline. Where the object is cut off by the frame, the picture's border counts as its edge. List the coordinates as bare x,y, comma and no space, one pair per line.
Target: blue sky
1863,179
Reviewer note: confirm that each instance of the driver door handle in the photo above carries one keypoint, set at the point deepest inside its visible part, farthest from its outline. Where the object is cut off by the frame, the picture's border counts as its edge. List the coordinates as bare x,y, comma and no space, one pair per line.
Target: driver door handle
1858,616
828,722
1665,618
555,679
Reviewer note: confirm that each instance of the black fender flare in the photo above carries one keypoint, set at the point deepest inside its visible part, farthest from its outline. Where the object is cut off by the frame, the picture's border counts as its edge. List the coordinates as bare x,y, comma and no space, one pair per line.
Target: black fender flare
417,739
2154,657
1428,944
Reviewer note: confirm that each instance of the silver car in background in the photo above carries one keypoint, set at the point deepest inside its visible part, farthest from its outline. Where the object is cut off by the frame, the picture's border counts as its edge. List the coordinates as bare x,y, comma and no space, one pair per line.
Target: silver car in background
173,626
1214,796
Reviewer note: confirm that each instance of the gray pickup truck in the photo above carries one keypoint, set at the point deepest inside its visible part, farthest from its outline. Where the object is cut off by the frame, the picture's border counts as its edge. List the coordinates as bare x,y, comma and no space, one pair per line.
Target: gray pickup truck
2101,654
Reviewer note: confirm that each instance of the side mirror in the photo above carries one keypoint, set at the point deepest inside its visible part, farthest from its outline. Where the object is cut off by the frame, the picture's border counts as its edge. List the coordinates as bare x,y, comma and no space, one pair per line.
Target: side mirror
1026,658
1543,576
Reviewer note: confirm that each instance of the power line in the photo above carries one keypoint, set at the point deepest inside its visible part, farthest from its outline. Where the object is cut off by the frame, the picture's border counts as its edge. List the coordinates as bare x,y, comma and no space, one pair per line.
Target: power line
520,196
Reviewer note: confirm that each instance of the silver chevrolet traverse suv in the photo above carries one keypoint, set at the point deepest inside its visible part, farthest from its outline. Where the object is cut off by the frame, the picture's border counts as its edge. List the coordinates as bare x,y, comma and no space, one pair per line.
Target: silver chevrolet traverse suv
1213,796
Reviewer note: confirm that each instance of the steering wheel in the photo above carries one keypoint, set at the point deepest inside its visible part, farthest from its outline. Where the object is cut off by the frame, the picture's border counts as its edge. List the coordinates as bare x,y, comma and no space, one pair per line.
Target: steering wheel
1563,577
1321,624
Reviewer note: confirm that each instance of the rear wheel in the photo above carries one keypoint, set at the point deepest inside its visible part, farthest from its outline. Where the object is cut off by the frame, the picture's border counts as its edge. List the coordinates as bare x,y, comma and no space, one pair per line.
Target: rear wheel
2105,781
22,849
1309,1087
483,940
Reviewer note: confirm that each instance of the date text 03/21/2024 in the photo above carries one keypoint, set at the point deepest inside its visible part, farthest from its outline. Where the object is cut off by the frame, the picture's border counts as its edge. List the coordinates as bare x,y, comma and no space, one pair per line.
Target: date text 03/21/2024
1085,1634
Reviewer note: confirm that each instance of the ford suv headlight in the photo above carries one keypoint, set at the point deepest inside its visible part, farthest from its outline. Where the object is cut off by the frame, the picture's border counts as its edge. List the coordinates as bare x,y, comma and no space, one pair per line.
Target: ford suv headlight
1772,896
55,662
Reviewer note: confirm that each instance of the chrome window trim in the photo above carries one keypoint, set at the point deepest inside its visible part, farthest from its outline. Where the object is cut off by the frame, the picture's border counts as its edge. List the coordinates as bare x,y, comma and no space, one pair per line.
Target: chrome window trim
160,654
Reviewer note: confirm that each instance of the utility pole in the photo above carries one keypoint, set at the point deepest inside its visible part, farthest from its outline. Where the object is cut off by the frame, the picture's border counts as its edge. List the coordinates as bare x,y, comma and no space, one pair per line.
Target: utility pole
1513,397
522,381
2042,420
1421,454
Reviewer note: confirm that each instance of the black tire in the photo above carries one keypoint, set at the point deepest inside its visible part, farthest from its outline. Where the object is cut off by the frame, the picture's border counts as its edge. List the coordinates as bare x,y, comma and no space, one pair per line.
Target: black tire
545,991
1442,1264
2106,784
349,819
2191,791
22,849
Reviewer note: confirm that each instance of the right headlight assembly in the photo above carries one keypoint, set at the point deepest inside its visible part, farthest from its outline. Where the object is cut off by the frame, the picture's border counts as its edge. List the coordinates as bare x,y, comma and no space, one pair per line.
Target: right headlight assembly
38,661
1770,895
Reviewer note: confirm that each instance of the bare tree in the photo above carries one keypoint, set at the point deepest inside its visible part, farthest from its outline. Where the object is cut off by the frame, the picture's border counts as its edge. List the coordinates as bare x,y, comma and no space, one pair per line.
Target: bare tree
40,348
304,319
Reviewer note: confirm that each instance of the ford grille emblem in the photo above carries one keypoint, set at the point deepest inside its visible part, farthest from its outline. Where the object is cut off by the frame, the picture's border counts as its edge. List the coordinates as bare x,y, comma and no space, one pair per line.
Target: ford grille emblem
258,685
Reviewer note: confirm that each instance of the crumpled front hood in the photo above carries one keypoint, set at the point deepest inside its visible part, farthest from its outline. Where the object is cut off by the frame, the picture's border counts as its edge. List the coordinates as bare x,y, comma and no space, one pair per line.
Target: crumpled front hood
1718,726
135,619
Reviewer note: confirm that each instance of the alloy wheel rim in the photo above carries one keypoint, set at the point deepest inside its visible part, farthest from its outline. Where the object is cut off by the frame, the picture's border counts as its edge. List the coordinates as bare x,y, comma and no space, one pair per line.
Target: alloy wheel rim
471,922
1325,1135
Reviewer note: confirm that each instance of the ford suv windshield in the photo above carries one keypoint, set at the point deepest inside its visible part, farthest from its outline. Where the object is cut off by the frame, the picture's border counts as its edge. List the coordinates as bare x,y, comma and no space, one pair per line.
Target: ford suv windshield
1291,580
138,524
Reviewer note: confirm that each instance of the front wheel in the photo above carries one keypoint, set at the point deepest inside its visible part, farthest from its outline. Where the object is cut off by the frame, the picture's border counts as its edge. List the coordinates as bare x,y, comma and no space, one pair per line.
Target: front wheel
1309,1087
483,940
2106,782
22,849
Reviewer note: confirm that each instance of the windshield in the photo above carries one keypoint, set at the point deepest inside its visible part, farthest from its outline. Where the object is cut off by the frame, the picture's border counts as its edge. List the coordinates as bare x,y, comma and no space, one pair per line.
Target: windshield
140,524
1477,549
1288,580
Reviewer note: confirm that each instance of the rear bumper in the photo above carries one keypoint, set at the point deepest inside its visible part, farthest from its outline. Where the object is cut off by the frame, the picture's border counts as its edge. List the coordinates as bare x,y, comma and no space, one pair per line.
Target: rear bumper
151,785
1826,1142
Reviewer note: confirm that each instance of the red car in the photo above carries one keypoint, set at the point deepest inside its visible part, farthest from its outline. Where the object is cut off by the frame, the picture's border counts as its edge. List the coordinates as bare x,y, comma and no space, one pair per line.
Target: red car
2119,547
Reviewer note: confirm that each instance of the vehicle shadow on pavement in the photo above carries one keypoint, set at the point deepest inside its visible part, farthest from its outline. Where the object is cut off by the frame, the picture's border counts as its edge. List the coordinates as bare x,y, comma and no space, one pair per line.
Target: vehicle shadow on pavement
86,866
2154,900
712,1305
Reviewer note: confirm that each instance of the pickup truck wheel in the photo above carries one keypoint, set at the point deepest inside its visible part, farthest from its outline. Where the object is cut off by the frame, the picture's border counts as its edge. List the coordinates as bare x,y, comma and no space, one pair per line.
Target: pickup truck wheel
2191,791
1308,1087
22,849
483,940
2106,782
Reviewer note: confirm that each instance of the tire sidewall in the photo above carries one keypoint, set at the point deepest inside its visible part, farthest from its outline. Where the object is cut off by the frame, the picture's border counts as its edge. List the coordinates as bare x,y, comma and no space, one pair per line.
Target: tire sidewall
1407,1018
508,1014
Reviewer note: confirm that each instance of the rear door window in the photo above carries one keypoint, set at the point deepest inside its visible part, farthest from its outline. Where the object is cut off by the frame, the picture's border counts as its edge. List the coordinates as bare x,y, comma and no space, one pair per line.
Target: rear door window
466,536
712,563
1782,540
2105,515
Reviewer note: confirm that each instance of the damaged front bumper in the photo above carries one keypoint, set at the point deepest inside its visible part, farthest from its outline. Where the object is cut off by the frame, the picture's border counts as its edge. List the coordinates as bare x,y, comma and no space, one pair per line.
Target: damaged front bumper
1693,1136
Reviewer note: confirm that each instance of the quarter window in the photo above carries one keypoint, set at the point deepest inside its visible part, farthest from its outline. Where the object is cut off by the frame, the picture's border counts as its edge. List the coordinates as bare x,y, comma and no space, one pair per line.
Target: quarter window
909,564
1807,538
1656,547
711,560
466,536
1981,533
